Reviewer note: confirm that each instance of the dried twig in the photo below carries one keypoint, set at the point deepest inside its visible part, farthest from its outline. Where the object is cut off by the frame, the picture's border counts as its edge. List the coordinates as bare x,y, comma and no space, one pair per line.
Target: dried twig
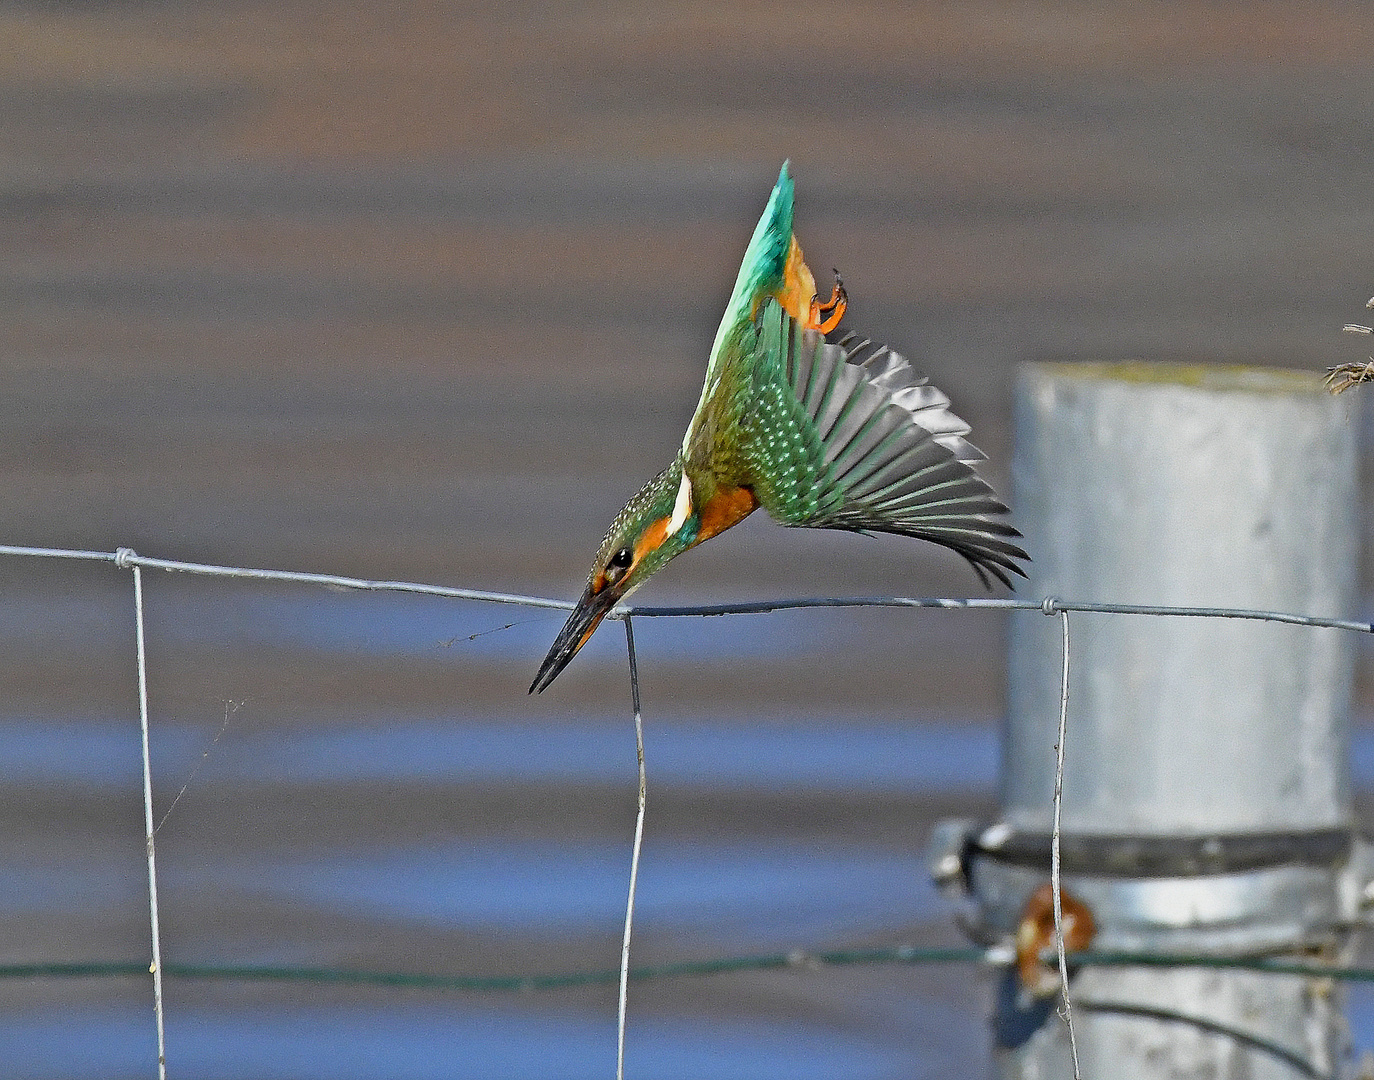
1343,376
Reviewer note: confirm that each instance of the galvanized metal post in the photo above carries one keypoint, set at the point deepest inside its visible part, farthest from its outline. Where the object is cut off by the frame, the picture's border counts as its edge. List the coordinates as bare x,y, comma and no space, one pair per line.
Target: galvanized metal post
1206,803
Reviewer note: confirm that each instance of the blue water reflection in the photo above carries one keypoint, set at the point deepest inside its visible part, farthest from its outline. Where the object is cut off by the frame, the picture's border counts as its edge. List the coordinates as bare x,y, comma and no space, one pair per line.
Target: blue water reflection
807,754
745,894
461,1040
755,894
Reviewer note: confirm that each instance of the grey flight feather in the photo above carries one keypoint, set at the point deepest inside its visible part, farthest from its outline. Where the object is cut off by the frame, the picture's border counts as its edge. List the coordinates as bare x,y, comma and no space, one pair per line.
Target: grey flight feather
883,452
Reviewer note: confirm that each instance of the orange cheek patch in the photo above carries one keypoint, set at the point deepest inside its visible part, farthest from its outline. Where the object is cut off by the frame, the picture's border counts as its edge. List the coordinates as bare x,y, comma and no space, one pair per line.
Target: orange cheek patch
729,506
651,538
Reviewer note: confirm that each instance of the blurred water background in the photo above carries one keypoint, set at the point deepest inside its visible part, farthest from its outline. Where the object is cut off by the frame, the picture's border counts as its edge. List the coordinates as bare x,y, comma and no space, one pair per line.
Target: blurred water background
424,291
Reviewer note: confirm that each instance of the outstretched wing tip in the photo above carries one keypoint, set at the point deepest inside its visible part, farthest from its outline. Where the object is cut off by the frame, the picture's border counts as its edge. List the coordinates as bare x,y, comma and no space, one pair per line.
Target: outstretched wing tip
983,566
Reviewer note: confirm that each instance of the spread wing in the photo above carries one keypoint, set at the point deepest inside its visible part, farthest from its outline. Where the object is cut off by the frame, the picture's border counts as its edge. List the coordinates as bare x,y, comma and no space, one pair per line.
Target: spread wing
848,436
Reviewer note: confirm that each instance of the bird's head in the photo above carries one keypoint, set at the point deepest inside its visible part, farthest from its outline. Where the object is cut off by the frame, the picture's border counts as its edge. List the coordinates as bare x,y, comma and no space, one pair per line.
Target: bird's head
659,523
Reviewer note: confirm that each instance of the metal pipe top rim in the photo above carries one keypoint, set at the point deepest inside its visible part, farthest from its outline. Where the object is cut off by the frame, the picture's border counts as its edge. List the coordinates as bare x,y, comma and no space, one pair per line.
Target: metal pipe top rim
1224,378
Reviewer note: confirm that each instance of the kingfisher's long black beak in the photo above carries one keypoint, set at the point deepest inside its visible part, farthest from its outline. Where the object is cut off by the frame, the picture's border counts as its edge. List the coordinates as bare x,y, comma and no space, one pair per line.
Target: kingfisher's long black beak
586,617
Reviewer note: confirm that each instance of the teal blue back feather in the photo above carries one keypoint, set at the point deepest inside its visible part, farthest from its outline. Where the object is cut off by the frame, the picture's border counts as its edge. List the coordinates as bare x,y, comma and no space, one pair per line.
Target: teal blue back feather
765,260
766,256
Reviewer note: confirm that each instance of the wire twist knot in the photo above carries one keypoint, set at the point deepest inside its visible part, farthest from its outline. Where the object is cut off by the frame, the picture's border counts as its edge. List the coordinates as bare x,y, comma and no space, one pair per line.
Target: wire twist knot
1050,605
122,557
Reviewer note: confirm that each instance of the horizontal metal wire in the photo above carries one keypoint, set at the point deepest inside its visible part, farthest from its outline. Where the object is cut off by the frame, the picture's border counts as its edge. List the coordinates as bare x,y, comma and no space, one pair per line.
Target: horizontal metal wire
1050,605
797,958
58,553
126,557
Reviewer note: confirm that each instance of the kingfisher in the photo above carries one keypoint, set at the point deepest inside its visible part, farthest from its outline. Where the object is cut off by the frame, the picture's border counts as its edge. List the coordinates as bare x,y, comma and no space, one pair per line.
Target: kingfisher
823,435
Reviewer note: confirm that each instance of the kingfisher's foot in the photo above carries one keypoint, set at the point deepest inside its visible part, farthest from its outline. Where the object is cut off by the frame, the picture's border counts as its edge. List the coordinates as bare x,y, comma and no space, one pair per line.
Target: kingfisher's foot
825,317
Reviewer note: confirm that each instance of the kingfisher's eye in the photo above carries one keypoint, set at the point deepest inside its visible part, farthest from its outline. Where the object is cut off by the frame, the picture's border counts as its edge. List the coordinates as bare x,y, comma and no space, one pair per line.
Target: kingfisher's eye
619,563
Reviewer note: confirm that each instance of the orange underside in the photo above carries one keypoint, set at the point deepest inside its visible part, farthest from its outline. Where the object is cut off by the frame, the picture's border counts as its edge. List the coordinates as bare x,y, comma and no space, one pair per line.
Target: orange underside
798,294
729,506
798,285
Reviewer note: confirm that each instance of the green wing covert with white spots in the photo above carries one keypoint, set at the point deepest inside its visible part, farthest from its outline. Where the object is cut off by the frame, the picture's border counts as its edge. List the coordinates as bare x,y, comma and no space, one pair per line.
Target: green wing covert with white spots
849,436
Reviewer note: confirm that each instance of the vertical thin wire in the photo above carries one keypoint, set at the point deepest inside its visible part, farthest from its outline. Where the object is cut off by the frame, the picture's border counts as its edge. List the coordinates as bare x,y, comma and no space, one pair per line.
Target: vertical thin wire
148,829
1054,842
634,858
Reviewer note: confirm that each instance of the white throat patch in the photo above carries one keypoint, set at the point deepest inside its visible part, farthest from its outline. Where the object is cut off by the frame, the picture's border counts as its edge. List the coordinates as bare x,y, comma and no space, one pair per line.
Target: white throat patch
682,509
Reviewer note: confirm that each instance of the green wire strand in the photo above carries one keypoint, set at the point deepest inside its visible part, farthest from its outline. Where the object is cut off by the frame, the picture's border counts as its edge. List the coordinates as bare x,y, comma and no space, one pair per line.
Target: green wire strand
903,954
